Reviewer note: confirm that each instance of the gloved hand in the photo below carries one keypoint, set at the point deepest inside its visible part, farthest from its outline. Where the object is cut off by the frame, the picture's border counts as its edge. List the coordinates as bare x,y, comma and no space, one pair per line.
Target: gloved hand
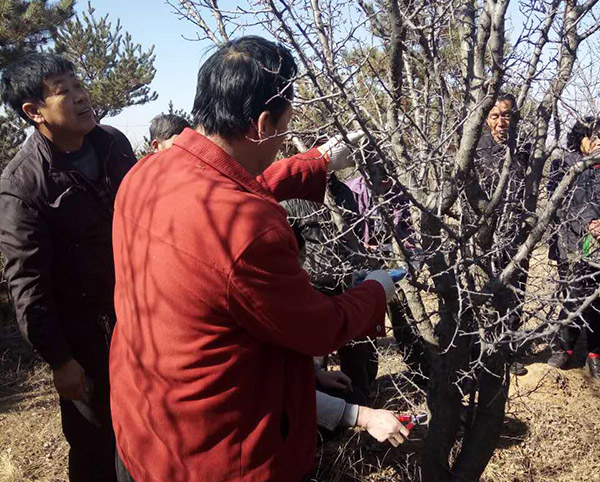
338,152
385,280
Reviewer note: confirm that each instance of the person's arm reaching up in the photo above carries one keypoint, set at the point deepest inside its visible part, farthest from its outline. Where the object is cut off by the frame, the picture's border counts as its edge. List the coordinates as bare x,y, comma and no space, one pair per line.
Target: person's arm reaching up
304,176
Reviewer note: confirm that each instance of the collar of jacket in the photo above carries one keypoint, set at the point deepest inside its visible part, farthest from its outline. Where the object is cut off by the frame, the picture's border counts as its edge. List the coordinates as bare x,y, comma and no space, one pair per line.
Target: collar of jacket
100,139
215,157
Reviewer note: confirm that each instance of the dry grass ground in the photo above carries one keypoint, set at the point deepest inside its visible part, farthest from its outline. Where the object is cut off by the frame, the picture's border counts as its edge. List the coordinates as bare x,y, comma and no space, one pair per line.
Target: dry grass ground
31,442
560,411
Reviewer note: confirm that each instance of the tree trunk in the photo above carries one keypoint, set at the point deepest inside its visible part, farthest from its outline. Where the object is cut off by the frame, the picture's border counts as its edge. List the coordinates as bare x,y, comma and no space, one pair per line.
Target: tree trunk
482,437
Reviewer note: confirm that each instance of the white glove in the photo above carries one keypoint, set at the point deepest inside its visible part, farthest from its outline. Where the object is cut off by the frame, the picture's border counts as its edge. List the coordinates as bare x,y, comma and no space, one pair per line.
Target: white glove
385,280
338,151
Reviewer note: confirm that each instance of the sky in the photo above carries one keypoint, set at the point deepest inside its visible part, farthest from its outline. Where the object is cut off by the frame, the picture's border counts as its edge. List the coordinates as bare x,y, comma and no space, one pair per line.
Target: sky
151,22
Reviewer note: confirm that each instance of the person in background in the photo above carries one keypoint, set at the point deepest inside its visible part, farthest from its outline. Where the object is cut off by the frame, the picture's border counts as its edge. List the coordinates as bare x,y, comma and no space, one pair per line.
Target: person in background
376,238
330,253
56,200
211,361
164,128
576,248
506,220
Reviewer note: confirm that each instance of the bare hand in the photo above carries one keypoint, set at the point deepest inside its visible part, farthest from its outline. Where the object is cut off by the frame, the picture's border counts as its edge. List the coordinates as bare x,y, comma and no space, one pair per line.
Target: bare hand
382,425
594,228
69,380
334,380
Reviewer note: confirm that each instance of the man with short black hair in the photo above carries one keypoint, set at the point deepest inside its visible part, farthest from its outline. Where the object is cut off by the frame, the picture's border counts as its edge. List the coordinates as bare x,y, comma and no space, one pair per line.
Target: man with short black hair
211,362
164,128
56,200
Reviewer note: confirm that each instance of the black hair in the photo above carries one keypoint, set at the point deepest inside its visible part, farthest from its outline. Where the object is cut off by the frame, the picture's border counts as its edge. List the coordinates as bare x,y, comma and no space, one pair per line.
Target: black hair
502,96
240,80
586,128
23,80
165,126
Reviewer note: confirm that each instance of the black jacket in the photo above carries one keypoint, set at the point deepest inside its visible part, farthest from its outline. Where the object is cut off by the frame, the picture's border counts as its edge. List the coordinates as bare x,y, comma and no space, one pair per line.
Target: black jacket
56,235
507,218
488,165
580,206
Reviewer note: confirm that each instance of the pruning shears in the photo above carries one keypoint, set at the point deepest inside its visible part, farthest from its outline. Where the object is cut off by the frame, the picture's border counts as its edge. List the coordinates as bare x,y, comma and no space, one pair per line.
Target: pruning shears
412,421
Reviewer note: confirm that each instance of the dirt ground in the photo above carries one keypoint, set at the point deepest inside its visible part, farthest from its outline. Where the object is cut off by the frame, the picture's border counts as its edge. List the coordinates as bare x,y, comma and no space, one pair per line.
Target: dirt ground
550,432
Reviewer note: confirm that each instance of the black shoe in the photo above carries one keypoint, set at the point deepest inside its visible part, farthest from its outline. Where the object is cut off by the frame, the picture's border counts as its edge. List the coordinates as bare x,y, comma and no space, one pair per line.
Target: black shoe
559,359
593,364
518,369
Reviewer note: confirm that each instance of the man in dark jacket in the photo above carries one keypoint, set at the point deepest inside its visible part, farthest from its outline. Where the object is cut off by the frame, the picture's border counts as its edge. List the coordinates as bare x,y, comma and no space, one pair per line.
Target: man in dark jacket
506,219
491,152
576,247
56,199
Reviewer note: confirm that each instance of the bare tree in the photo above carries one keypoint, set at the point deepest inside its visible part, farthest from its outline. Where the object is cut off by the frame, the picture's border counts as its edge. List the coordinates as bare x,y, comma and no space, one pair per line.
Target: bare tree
420,78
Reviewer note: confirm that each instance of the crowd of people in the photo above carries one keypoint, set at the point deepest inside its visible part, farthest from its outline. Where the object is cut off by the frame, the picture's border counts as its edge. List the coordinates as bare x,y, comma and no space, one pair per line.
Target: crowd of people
182,300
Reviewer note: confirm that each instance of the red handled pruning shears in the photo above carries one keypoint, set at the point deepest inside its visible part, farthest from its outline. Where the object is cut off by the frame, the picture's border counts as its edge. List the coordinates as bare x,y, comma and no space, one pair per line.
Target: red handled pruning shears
412,420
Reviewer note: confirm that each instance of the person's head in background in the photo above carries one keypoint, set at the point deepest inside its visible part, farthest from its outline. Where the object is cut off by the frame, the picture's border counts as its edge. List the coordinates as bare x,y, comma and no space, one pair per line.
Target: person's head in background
585,136
164,128
376,169
501,117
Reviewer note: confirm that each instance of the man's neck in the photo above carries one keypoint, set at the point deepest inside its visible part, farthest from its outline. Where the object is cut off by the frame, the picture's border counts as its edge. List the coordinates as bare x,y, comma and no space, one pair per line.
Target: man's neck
63,143
243,150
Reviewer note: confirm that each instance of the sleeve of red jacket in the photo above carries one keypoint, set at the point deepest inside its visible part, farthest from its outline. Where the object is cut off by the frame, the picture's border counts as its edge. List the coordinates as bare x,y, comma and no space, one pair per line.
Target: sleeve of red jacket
303,176
270,295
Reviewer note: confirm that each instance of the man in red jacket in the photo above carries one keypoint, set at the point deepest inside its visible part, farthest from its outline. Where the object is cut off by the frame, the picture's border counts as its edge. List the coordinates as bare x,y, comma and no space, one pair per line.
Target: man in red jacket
211,369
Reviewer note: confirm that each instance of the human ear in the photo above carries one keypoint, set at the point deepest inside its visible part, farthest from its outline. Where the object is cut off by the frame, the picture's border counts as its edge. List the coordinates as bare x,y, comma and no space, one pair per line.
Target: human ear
264,125
154,145
32,110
